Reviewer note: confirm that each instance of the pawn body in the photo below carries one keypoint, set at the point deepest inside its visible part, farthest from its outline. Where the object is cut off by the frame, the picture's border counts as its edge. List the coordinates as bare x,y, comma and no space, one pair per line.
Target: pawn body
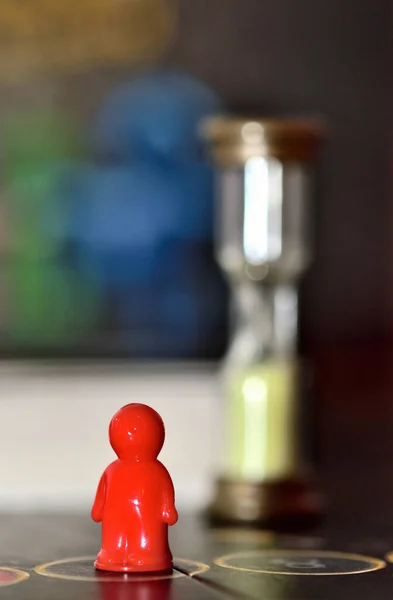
135,497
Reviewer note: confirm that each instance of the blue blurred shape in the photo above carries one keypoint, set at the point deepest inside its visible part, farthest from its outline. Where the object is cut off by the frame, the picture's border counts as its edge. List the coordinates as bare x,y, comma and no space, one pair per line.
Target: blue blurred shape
194,201
157,113
182,320
120,216
120,207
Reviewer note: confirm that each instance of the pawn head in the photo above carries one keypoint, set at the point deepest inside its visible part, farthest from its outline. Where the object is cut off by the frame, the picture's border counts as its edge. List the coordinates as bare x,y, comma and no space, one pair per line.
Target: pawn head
137,432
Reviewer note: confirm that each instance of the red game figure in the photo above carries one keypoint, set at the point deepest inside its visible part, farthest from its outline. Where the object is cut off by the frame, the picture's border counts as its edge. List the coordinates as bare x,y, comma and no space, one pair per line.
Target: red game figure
135,499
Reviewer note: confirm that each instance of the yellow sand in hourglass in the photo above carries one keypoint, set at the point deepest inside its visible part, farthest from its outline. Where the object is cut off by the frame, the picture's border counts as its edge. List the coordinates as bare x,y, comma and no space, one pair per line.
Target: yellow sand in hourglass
261,431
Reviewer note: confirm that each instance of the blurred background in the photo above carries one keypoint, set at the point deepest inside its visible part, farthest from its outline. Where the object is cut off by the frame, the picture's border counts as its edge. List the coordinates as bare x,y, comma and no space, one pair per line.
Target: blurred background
107,216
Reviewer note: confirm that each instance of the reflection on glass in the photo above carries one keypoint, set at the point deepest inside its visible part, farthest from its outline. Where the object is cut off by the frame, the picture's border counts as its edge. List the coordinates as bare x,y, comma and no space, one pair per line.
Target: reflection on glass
262,210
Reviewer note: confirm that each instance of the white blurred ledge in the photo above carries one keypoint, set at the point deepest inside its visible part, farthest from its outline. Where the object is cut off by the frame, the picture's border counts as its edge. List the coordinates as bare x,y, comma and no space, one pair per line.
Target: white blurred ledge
54,422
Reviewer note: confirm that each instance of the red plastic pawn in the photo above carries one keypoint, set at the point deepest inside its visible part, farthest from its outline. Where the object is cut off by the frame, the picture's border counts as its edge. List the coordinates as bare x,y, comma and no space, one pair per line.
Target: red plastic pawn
135,500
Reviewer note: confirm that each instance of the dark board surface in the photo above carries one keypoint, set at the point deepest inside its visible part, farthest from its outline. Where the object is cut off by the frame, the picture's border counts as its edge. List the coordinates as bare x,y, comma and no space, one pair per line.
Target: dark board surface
53,557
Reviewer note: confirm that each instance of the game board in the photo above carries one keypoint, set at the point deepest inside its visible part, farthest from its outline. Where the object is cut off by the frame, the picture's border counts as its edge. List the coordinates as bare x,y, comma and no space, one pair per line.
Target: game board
52,557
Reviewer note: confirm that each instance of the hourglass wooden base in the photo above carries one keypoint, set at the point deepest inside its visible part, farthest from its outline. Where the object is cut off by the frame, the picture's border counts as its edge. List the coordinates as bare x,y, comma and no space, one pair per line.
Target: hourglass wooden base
291,504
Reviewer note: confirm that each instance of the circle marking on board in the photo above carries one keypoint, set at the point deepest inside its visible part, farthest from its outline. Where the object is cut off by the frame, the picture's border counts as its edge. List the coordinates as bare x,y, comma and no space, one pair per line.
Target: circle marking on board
11,576
300,562
92,574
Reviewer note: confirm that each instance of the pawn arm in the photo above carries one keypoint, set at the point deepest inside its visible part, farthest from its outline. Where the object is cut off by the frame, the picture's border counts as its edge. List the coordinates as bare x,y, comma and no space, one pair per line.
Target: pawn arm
99,502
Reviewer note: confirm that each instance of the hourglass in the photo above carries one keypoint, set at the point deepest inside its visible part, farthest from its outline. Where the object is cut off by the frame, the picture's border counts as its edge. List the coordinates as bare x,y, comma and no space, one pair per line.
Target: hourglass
264,175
